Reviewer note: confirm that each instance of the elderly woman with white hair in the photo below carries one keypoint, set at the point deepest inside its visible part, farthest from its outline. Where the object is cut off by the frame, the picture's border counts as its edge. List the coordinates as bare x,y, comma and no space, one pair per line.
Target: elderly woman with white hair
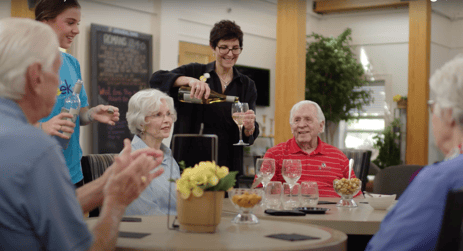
415,221
150,117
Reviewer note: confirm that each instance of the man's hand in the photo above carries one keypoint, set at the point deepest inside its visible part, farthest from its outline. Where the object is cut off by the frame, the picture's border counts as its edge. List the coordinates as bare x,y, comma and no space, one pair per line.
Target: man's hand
57,124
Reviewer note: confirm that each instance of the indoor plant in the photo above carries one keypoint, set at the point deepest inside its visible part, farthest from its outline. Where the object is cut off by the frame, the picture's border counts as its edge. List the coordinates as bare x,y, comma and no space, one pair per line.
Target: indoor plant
387,143
334,79
200,193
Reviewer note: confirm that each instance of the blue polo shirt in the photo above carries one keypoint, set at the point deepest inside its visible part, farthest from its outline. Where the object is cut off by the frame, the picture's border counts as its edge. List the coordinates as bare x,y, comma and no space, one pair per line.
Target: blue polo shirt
415,221
38,205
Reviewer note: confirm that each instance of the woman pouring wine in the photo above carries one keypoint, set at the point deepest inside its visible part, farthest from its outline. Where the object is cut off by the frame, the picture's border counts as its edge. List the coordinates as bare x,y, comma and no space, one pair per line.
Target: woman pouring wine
226,41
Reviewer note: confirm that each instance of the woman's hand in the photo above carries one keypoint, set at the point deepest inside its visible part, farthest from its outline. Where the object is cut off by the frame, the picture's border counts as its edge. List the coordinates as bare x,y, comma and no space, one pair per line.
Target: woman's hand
199,89
131,174
106,114
249,120
59,123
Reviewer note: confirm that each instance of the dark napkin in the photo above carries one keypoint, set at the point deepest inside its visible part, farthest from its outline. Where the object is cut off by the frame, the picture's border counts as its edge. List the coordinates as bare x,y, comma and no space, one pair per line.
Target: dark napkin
130,219
292,237
324,202
132,235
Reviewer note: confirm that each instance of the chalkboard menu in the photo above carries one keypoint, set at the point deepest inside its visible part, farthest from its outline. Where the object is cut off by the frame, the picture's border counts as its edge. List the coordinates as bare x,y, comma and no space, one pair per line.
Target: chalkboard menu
121,66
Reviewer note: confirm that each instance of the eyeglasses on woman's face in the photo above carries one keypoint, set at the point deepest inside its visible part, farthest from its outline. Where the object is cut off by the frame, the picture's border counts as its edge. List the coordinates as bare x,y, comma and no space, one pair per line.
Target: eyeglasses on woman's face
225,50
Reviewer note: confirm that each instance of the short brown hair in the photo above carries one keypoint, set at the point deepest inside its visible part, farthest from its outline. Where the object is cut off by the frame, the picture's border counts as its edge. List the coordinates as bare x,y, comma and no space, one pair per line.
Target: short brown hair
50,9
226,30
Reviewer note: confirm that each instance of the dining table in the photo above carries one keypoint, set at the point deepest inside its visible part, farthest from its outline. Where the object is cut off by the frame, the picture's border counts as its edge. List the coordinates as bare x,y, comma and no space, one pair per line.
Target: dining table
153,233
361,220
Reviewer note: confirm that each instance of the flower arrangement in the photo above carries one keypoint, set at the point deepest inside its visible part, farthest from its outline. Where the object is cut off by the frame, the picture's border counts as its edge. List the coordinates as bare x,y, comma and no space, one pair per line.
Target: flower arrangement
398,97
401,101
205,176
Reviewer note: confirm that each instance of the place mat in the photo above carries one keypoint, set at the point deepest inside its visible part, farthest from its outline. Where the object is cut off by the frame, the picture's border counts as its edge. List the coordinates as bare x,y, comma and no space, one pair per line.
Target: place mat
132,235
292,237
130,219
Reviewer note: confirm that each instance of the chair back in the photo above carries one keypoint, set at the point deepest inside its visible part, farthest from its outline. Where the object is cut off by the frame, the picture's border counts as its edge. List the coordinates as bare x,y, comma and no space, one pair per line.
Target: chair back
450,236
94,165
394,179
361,163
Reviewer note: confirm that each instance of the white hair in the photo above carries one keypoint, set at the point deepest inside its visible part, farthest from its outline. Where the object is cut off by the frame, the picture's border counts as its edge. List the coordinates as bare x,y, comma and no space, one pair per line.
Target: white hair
320,115
23,42
145,103
447,88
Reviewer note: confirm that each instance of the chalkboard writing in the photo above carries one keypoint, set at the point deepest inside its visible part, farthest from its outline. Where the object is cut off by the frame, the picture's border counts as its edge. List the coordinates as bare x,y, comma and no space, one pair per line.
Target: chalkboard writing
121,66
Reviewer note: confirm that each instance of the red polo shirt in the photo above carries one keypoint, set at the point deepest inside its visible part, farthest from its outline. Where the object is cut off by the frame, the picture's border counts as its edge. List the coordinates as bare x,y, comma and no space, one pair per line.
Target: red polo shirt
323,165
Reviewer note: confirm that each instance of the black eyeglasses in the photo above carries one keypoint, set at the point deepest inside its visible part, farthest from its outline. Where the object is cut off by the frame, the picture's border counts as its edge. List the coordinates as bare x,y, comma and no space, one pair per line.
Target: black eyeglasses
431,104
225,50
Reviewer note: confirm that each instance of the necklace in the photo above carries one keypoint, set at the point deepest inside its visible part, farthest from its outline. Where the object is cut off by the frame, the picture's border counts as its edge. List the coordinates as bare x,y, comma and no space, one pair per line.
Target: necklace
225,83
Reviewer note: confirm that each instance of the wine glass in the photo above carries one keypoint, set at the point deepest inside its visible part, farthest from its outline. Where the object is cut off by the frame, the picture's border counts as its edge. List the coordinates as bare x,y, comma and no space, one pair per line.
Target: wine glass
238,110
266,170
291,171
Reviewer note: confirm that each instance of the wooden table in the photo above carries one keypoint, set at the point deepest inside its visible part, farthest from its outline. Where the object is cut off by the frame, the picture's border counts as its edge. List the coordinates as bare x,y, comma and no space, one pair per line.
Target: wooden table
229,236
363,220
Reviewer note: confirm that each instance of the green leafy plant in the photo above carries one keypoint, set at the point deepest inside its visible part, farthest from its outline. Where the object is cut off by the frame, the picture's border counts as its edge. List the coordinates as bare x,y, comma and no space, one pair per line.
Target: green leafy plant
334,77
387,144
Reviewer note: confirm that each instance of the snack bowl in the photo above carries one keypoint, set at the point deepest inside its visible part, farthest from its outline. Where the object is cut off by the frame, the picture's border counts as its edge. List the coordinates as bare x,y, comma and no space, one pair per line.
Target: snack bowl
245,199
347,189
380,201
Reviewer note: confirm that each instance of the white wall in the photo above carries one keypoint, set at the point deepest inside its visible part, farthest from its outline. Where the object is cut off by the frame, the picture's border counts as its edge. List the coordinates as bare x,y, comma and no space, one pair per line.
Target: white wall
442,41
5,8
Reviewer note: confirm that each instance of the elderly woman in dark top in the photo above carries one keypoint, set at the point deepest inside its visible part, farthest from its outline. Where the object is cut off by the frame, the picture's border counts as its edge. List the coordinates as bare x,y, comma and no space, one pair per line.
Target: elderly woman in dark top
150,116
226,41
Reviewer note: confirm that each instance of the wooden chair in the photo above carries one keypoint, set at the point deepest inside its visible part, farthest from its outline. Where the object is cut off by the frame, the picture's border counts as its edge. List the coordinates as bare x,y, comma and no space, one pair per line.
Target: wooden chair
450,236
361,163
93,166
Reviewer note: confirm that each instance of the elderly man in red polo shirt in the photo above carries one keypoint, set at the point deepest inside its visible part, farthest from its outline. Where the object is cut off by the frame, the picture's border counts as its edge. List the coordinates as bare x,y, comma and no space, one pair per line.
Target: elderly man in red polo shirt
320,162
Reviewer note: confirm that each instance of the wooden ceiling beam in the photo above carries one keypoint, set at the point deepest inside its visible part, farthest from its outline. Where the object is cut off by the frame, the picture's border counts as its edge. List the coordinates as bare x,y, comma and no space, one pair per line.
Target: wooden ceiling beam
331,6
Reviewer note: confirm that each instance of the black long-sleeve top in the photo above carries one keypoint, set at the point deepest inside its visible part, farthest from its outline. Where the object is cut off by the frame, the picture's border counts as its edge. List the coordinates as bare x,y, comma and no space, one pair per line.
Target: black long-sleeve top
216,117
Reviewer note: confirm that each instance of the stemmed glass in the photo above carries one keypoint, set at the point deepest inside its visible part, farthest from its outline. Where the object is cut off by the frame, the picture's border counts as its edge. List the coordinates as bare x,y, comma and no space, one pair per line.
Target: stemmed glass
238,110
266,170
292,171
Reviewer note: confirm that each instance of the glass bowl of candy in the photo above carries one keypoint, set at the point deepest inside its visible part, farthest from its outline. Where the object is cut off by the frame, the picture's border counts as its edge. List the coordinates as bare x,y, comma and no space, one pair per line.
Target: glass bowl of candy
347,189
245,200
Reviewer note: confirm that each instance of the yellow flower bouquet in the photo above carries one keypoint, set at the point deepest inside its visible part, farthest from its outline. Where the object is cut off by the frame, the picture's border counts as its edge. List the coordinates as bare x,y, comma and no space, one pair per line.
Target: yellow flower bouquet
205,176
401,101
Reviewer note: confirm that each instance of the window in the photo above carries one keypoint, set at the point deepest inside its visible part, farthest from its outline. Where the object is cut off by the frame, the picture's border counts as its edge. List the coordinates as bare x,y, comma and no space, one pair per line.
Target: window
372,119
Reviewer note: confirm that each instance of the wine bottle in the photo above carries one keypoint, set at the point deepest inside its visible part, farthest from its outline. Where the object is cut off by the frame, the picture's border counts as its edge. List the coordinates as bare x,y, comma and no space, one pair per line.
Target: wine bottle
185,91
72,106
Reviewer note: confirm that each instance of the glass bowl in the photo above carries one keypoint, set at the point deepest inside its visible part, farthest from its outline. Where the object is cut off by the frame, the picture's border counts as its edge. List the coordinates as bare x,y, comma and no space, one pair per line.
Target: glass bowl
347,189
245,199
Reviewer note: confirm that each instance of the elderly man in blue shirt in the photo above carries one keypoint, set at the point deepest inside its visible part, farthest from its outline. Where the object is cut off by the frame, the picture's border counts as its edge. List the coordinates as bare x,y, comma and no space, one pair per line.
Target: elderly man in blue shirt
39,208
415,221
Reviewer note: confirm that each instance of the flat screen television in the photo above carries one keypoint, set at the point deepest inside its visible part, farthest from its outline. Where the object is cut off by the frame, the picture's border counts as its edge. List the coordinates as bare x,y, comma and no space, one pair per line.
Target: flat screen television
262,79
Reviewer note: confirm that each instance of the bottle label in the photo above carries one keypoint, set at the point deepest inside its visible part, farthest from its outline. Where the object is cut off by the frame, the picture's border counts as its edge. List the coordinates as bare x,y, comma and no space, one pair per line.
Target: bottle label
74,113
187,98
231,99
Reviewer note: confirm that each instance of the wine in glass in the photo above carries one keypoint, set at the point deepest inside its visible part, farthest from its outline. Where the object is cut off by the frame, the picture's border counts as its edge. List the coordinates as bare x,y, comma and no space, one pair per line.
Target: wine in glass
291,171
238,110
